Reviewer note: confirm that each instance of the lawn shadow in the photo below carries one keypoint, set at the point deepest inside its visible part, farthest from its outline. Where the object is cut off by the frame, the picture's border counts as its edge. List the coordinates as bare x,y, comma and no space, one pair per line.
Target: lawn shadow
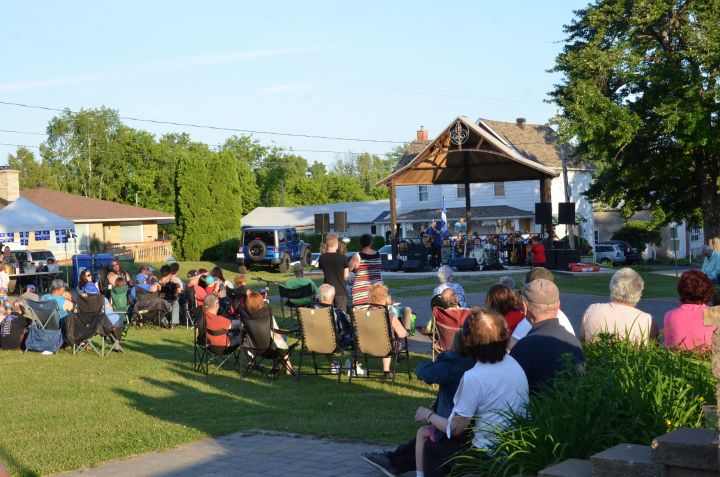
9,460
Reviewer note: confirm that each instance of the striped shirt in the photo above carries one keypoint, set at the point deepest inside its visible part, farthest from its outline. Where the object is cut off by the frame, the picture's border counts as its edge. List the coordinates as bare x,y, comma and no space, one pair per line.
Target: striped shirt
367,274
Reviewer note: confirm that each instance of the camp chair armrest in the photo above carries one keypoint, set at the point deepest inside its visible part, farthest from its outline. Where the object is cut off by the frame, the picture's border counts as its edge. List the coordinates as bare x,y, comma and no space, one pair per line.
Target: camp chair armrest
284,331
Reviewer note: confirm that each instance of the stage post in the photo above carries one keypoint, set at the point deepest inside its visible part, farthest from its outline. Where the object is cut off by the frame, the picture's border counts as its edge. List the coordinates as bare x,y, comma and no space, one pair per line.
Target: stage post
468,214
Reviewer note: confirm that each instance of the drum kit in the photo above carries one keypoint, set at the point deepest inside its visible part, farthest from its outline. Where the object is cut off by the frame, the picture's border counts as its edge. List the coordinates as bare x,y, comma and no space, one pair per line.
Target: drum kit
497,249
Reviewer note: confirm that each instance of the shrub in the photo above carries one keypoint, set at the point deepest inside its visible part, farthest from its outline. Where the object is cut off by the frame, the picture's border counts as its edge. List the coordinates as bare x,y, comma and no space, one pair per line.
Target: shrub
626,394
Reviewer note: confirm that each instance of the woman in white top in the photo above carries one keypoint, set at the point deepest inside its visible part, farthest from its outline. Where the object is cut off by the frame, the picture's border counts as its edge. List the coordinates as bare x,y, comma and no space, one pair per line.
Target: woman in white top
619,316
494,386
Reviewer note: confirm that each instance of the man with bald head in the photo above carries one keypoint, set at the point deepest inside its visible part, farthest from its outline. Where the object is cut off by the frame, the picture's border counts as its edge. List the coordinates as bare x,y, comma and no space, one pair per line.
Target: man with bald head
541,353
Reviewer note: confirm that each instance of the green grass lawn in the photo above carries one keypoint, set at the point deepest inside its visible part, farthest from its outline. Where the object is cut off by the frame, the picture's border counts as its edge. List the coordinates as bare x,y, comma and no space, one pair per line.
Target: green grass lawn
77,411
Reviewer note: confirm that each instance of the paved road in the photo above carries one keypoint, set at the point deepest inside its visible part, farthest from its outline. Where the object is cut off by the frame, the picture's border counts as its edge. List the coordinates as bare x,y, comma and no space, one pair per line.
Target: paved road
246,454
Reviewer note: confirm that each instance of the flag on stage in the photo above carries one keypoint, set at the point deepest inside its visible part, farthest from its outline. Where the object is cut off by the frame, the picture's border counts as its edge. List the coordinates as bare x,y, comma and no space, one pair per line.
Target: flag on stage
443,218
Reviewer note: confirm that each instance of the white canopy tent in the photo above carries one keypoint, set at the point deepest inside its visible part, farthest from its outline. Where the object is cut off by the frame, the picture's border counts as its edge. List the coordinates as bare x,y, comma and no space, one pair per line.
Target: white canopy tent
24,216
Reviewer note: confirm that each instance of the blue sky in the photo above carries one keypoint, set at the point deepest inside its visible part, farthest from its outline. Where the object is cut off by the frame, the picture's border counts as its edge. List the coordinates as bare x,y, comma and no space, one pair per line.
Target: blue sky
372,69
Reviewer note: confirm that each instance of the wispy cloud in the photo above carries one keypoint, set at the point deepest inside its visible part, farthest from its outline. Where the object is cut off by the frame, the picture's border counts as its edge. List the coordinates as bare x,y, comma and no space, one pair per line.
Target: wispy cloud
180,64
281,88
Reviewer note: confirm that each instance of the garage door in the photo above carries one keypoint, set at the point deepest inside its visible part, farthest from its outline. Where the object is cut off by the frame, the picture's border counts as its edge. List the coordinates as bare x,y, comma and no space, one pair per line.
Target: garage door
131,232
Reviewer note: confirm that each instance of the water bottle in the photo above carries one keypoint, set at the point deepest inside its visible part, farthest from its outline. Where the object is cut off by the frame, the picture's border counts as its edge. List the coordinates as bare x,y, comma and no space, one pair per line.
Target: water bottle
411,330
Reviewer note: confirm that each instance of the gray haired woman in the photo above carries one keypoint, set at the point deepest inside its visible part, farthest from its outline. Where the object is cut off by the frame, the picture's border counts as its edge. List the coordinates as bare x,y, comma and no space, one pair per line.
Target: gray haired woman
445,275
619,316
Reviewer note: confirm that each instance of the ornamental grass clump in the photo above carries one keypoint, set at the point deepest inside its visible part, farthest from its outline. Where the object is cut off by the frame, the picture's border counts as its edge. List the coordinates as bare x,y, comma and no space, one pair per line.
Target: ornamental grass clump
627,393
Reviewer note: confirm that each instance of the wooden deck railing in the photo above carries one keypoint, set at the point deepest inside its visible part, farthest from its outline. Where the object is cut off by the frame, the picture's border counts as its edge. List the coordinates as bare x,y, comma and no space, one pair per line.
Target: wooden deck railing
142,251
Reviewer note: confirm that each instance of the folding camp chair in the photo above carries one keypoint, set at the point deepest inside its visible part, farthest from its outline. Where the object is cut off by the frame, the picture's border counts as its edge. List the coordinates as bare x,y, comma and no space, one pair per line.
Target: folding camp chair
199,341
288,294
121,305
437,302
446,324
237,298
150,307
259,345
319,335
86,322
189,307
374,338
210,354
44,334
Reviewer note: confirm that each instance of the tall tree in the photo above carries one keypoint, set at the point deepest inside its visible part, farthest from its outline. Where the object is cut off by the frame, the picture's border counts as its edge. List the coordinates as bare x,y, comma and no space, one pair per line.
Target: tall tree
641,97
368,169
248,154
32,172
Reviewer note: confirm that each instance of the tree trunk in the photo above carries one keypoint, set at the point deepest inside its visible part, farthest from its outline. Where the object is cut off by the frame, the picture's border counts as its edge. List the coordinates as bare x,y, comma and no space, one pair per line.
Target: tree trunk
707,173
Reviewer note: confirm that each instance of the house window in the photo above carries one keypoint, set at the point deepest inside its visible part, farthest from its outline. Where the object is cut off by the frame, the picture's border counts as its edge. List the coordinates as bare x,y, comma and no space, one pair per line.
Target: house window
499,189
597,236
422,193
461,191
694,235
373,229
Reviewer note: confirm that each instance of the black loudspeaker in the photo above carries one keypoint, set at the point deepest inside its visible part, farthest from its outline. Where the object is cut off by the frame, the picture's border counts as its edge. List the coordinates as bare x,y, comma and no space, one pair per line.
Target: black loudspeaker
543,213
466,264
340,223
566,213
322,223
493,266
412,265
560,259
392,265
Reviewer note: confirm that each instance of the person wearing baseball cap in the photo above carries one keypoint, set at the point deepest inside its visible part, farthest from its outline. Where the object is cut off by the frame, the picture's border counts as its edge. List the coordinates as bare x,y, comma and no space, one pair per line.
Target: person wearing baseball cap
541,353
193,278
524,326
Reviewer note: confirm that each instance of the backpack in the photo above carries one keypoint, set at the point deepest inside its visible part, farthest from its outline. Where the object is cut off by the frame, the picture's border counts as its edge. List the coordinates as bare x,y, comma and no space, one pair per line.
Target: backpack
12,331
345,331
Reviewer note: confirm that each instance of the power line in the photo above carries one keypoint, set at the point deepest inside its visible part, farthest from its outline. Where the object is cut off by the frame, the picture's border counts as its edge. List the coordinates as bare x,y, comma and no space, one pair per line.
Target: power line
215,128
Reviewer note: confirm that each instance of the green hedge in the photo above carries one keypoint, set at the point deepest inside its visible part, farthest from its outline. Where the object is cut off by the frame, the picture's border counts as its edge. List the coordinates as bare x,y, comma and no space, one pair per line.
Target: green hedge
626,394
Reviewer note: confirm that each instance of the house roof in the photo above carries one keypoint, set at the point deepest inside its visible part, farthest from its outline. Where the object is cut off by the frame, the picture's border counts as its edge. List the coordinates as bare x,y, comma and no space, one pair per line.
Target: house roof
465,151
357,213
535,141
488,212
86,209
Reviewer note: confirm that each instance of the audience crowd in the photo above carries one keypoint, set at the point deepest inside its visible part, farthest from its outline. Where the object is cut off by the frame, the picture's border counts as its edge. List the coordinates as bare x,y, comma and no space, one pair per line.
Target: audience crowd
504,352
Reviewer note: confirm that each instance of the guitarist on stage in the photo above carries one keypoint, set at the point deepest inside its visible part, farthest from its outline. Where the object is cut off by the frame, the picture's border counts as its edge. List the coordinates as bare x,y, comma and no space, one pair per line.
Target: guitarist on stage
434,237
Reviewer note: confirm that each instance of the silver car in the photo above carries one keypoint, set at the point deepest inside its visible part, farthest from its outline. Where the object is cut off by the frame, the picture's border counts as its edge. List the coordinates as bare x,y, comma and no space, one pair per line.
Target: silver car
609,254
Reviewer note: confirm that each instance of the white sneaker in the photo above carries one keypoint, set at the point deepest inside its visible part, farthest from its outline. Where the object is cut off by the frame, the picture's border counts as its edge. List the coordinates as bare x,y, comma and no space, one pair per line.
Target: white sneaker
47,353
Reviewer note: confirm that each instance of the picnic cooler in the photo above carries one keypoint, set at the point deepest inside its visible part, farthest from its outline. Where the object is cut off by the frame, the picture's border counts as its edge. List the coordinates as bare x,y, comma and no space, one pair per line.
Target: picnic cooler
583,267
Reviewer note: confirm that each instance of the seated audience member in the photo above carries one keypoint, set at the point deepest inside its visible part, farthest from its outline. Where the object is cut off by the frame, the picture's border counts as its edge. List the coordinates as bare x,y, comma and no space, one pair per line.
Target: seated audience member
507,302
61,296
52,266
450,302
116,271
86,286
202,273
30,294
619,316
299,281
508,282
445,275
255,306
241,284
145,281
343,327
495,385
217,274
215,322
212,287
193,282
711,264
13,328
684,326
447,371
171,287
524,326
379,296
541,352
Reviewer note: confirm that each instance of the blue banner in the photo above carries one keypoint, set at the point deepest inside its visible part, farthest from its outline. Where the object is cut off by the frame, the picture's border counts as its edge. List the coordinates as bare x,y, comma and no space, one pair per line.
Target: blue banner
42,235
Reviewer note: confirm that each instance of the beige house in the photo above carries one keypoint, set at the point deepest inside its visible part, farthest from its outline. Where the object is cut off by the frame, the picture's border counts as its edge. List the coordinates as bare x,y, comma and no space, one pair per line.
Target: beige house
99,224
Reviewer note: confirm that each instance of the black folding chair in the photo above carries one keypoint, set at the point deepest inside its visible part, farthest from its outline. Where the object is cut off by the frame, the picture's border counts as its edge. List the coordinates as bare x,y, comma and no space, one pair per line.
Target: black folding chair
45,333
374,339
189,307
213,355
288,294
319,335
259,345
150,307
86,322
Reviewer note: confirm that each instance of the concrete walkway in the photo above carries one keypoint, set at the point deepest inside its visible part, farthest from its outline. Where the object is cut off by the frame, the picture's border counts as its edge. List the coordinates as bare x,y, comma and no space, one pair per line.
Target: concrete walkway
247,454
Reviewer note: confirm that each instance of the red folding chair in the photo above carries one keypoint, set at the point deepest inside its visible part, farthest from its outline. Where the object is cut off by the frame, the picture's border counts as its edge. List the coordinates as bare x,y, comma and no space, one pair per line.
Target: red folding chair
447,323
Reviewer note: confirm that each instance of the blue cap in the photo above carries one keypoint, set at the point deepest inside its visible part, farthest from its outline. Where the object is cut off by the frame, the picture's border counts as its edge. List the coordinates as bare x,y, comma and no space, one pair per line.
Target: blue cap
91,289
140,278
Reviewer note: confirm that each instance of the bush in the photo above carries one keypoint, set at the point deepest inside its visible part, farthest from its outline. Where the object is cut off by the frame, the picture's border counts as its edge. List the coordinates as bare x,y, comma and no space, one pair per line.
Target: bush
225,251
626,394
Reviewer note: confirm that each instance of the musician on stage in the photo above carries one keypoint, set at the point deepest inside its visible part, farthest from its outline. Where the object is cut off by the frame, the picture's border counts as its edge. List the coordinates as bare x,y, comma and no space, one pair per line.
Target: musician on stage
434,237
460,227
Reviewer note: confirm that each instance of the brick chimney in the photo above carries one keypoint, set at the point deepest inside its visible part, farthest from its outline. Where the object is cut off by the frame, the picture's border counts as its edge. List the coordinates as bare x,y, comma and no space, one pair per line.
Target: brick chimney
520,122
9,184
422,134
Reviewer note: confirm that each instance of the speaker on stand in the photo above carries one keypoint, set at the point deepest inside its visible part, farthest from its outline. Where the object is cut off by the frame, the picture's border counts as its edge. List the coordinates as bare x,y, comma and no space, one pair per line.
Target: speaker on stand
340,221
